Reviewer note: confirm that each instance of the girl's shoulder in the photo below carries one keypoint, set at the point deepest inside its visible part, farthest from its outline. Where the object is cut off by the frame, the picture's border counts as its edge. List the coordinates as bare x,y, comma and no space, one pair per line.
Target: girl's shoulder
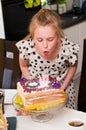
69,46
25,43
26,48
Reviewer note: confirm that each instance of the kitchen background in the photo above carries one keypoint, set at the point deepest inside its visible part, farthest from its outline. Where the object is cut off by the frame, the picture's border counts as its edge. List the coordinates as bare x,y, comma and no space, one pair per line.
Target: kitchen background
16,12
15,17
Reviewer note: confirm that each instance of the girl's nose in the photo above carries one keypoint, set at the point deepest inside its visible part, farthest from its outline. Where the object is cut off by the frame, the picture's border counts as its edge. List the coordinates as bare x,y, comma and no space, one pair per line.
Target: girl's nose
45,45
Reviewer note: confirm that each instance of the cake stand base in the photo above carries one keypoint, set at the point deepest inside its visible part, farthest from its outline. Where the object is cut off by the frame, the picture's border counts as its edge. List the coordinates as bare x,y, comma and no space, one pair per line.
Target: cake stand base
42,116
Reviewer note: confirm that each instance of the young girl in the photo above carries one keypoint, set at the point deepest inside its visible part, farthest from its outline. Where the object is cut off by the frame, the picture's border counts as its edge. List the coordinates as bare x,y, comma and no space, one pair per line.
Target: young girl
47,51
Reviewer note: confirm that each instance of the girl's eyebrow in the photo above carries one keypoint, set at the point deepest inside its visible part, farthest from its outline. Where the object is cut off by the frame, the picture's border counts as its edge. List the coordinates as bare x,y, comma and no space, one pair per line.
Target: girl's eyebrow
47,37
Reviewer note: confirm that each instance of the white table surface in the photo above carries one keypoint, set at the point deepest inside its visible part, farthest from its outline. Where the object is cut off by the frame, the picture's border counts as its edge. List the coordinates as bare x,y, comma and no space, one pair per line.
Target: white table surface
59,121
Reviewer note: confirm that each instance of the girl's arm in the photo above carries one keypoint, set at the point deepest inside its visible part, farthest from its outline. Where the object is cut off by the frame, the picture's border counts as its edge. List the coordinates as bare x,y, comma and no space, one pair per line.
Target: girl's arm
70,74
24,67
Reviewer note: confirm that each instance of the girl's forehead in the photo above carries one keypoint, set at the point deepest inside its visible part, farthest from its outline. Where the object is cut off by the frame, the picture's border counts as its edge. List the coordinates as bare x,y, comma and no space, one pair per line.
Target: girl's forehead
44,32
45,29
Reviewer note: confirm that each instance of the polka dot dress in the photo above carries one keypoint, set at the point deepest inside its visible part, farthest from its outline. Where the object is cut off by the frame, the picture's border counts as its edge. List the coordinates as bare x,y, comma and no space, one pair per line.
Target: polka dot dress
56,68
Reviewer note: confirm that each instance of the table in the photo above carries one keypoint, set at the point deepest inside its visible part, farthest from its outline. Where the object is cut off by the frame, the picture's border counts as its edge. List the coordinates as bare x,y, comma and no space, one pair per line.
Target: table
59,121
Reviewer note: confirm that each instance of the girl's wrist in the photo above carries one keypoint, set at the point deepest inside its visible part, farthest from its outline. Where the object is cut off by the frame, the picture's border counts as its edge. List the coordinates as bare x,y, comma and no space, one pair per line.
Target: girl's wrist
63,87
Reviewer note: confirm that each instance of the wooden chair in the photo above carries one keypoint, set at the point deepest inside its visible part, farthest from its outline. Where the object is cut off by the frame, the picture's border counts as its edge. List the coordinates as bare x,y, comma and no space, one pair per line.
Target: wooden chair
82,87
9,65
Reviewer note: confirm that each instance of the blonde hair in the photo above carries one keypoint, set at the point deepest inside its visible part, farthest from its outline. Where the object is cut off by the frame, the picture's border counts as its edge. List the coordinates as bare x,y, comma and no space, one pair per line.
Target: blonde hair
46,17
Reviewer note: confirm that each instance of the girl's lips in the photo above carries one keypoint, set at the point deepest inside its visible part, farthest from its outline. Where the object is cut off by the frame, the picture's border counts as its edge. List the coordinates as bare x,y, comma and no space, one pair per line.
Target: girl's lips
45,52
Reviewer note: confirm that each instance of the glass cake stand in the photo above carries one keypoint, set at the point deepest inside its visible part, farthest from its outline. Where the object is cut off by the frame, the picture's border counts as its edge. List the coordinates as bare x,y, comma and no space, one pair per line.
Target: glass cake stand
42,115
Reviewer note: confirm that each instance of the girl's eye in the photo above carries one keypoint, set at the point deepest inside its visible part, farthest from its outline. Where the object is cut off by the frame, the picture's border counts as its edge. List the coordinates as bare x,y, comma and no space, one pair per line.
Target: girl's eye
40,40
50,39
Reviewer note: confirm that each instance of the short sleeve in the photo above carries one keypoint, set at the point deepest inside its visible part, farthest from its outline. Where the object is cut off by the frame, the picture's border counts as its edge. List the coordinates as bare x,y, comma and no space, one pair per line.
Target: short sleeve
73,57
71,50
24,48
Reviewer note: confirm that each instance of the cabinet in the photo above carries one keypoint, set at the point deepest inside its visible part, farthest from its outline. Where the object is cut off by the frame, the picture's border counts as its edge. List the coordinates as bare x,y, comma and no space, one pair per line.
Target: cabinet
9,66
82,89
16,19
76,34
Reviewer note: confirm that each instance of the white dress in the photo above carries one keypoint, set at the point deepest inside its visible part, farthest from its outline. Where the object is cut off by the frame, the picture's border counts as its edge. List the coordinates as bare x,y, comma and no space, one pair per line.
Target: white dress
56,68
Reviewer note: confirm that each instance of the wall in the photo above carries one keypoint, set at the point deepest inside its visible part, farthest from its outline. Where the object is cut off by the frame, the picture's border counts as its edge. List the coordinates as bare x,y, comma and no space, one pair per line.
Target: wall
2,33
77,33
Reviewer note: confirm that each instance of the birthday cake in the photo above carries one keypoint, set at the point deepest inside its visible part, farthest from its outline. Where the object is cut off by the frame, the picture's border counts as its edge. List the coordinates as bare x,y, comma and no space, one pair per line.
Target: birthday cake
3,123
39,94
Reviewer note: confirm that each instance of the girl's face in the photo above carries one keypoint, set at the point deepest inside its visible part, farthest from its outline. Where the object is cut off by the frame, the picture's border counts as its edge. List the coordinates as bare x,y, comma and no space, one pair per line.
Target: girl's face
46,40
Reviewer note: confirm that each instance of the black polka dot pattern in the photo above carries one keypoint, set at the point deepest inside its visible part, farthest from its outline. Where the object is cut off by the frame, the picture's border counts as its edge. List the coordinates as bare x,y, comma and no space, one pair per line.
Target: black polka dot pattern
57,68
